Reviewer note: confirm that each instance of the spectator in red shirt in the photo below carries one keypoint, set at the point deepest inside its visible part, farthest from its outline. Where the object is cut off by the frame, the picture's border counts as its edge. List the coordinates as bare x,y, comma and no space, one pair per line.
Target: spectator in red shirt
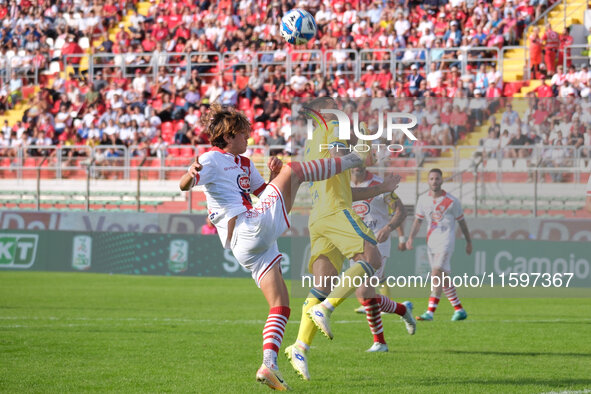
370,77
160,31
72,48
566,40
385,76
552,44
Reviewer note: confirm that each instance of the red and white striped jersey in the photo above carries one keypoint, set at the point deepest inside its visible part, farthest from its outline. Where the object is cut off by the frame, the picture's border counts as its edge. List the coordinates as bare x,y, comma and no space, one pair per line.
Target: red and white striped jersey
589,187
441,214
228,181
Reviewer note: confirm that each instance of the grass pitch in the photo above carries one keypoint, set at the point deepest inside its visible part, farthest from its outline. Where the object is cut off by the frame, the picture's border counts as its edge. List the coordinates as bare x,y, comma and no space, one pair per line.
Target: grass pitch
90,332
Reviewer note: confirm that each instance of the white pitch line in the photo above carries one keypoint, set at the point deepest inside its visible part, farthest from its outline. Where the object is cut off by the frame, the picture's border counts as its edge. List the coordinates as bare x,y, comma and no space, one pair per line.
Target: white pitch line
585,391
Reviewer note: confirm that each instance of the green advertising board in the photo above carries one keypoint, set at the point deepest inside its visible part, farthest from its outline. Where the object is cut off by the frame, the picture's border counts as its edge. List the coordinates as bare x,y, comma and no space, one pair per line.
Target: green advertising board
493,261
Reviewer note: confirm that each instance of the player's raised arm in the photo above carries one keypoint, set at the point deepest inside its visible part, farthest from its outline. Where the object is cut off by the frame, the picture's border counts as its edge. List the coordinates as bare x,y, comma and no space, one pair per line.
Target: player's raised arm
390,184
188,180
466,232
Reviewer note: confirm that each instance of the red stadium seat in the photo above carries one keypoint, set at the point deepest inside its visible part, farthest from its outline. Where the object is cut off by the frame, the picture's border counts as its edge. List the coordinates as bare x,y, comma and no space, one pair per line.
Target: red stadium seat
187,152
243,104
167,128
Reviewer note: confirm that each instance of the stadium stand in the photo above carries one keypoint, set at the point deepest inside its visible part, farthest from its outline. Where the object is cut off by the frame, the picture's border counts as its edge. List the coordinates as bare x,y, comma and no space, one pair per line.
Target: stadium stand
98,89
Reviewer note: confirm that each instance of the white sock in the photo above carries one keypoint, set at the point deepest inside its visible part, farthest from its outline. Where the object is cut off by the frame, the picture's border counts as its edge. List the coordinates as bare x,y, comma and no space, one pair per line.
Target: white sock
270,358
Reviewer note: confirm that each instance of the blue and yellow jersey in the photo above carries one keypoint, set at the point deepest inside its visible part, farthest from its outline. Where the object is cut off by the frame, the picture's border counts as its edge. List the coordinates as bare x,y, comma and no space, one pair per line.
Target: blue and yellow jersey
334,194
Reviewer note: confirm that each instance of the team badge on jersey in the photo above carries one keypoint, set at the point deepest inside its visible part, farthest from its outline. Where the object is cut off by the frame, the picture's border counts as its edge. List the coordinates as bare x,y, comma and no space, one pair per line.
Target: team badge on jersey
243,181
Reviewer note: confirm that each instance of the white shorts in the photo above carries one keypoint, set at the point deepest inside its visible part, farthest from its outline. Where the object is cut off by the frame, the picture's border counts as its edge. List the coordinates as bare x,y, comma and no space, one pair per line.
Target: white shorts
254,241
440,260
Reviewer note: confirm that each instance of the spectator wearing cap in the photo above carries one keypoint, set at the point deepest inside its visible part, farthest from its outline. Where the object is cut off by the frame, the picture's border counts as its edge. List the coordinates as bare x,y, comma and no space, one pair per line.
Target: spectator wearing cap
160,31
414,80
425,24
478,107
440,26
454,34
370,76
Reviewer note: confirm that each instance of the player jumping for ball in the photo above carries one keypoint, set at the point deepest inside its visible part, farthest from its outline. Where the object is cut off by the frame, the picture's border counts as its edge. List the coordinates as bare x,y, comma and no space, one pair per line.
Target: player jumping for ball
251,231
441,210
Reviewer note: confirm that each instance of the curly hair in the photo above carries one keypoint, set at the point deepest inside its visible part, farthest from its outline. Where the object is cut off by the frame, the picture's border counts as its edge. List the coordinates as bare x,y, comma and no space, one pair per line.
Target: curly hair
224,121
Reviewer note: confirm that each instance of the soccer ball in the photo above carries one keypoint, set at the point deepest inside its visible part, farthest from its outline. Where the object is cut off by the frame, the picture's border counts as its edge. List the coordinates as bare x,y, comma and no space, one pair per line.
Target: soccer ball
298,27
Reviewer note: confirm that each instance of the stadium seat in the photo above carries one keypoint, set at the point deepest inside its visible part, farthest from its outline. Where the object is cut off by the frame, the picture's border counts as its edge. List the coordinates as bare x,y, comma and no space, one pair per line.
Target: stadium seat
243,104
167,128
521,165
187,152
507,164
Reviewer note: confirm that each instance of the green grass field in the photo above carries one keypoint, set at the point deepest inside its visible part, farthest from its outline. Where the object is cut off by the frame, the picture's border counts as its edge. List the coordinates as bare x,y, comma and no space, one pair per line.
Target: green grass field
110,333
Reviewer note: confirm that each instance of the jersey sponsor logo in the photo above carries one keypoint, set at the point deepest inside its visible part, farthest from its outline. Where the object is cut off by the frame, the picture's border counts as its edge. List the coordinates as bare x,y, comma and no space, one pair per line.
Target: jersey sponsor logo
440,209
361,208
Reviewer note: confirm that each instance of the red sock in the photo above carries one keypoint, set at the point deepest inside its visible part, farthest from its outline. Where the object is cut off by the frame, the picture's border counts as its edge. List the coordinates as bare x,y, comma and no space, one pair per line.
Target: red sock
451,295
374,318
390,306
433,302
274,329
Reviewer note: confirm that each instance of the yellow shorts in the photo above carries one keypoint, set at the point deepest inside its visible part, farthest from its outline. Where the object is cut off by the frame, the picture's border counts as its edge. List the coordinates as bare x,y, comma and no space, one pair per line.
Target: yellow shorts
339,236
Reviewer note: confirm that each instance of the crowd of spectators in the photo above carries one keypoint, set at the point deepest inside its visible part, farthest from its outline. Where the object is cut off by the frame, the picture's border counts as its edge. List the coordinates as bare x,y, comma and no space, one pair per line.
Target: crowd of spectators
145,97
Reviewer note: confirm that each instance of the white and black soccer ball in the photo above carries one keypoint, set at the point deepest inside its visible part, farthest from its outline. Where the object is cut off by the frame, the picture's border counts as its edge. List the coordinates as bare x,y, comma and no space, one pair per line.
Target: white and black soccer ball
298,27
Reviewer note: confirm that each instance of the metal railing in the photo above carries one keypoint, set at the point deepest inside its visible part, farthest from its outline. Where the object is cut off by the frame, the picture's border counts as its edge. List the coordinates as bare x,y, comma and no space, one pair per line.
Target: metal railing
485,181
